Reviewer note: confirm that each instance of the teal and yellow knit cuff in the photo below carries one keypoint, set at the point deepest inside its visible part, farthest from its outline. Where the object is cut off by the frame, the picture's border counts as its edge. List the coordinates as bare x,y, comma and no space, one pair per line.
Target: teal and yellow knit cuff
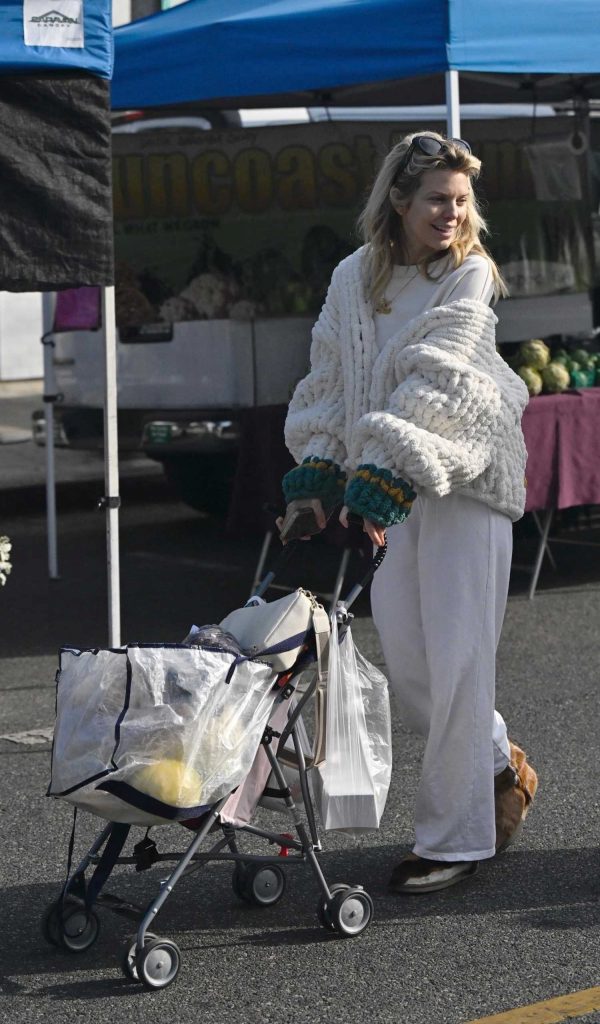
377,495
315,478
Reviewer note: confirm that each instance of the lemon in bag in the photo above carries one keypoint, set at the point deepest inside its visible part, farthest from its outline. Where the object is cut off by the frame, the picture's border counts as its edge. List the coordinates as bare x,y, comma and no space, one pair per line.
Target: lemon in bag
171,781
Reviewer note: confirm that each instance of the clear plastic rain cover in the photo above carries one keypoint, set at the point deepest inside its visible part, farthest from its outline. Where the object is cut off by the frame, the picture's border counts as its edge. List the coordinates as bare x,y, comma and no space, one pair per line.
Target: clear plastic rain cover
153,733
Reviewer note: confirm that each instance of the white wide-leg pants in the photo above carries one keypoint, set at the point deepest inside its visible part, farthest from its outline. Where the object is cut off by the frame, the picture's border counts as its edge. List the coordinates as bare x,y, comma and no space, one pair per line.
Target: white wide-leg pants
438,604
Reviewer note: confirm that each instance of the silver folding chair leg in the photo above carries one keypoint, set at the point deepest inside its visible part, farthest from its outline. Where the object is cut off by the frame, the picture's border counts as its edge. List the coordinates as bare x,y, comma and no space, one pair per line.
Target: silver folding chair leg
540,530
542,547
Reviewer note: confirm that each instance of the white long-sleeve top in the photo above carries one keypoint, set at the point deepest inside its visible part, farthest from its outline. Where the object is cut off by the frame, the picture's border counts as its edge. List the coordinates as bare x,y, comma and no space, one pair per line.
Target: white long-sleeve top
411,293
435,404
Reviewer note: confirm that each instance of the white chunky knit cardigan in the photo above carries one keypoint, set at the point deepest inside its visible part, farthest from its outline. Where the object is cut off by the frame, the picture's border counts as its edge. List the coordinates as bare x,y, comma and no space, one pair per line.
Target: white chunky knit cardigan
437,406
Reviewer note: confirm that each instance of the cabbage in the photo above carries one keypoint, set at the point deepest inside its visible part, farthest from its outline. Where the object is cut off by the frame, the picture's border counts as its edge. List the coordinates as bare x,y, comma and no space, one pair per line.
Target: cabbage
562,358
555,378
532,378
534,353
581,356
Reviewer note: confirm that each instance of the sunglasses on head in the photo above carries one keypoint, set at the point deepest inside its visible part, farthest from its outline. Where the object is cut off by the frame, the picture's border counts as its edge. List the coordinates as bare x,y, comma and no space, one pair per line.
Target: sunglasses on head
430,147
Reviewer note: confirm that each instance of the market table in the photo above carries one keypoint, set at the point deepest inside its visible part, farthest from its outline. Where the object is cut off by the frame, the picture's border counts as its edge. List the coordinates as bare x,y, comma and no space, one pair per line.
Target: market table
562,435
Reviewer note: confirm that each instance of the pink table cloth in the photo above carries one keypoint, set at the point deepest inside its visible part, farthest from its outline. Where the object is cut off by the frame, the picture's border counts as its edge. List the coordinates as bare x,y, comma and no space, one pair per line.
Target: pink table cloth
562,435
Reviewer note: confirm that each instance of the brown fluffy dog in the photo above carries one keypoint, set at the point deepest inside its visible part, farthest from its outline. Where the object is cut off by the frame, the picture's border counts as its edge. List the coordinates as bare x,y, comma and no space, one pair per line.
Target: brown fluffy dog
514,790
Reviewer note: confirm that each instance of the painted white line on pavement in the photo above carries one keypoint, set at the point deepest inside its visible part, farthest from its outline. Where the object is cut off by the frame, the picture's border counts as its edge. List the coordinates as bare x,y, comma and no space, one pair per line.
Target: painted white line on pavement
13,435
30,737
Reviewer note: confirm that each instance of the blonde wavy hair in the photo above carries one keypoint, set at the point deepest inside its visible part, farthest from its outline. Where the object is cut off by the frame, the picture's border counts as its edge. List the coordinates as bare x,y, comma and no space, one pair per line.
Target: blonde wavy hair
381,227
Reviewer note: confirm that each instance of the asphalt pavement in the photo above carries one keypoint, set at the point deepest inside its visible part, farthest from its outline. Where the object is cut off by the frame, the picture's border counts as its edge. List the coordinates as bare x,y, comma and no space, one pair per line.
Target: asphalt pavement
525,929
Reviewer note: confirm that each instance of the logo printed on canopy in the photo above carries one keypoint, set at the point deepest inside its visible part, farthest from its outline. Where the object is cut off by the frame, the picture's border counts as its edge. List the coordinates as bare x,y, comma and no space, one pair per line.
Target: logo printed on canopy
48,23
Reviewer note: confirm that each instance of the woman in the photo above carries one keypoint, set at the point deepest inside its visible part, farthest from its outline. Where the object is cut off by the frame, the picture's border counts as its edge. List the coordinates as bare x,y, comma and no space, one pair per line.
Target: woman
411,418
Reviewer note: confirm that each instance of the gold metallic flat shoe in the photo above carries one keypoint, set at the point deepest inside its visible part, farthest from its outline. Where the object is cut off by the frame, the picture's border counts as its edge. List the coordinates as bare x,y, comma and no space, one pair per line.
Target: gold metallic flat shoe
514,790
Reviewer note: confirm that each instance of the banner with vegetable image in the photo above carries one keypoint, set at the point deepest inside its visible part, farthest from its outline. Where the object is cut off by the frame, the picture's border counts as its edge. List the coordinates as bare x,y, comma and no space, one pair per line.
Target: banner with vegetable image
251,222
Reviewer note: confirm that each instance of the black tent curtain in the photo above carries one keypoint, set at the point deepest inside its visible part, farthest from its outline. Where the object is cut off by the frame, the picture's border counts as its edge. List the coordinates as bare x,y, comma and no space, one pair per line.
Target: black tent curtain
56,232
55,182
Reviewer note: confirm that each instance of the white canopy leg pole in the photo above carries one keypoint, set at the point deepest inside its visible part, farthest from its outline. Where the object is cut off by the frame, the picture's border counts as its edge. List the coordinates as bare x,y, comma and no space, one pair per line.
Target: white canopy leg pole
452,105
48,301
111,500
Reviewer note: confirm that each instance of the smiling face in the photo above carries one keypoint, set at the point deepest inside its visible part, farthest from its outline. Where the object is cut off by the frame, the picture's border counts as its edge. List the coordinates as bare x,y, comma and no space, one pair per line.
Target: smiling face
434,213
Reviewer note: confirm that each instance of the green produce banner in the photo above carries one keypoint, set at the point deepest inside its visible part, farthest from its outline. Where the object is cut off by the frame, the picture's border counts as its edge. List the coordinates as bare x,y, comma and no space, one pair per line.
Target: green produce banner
251,222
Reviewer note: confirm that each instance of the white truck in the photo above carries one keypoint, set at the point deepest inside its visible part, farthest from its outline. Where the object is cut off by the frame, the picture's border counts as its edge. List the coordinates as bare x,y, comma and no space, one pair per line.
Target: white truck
180,396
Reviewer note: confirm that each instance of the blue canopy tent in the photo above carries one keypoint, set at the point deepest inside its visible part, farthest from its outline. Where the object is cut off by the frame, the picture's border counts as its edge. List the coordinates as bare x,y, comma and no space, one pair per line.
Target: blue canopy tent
244,53
56,60
87,48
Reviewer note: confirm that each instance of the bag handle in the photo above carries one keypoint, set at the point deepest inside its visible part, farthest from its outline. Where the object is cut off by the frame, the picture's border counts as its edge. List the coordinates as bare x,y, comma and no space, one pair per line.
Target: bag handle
318,689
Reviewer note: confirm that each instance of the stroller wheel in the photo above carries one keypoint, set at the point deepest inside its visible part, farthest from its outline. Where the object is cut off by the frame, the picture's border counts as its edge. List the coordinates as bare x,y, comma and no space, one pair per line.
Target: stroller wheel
128,956
53,917
262,886
323,906
238,881
265,886
351,911
158,964
79,928
51,925
258,885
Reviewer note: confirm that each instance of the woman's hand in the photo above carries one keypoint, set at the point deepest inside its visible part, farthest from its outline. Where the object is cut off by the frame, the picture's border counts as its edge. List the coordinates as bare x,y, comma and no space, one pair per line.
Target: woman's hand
375,531
314,503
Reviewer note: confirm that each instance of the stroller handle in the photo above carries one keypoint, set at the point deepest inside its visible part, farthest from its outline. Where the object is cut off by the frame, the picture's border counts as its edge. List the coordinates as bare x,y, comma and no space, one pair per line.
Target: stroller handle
357,589
293,545
284,556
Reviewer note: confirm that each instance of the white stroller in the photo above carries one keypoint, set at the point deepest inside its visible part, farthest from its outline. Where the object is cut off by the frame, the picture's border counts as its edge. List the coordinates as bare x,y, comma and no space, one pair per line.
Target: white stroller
197,733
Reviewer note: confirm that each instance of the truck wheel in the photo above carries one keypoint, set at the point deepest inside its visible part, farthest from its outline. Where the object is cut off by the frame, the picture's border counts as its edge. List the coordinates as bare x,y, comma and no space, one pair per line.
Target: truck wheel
203,482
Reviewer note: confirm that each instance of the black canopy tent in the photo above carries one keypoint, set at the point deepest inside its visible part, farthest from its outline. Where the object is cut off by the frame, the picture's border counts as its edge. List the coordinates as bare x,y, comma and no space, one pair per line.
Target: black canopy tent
55,176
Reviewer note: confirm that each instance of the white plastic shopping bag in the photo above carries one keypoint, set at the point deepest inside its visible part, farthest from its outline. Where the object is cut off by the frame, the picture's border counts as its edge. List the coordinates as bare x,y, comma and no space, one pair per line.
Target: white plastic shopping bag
352,785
